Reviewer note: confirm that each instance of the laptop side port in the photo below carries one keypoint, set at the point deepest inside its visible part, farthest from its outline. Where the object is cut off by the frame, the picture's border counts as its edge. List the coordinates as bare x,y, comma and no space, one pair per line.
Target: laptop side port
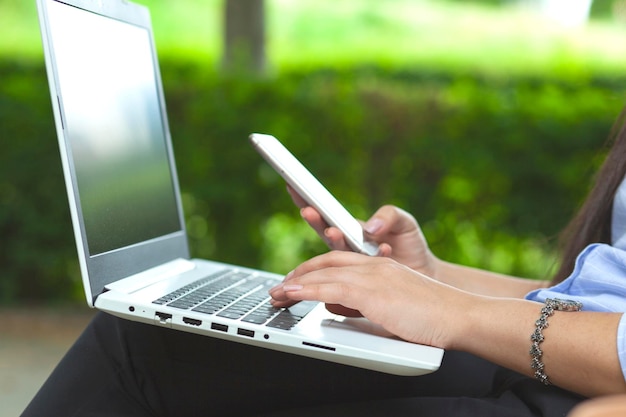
220,327
245,332
192,322
163,318
315,345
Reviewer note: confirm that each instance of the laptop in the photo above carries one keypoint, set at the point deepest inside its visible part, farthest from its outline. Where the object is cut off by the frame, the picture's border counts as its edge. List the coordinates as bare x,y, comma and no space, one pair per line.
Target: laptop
126,207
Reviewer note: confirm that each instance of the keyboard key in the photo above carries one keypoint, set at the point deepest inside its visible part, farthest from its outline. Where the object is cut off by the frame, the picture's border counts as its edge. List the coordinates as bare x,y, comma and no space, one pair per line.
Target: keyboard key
230,314
256,318
236,295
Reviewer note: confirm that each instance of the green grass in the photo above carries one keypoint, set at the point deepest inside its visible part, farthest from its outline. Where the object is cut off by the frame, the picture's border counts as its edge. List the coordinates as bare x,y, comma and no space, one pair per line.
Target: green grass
401,33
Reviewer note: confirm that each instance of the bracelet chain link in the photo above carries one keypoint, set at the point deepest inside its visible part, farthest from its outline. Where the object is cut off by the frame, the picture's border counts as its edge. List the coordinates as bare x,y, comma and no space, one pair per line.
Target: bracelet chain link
537,337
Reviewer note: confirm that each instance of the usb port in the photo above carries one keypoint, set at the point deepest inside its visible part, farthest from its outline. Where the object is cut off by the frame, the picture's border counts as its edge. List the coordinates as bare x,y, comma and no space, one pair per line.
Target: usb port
193,322
245,332
220,327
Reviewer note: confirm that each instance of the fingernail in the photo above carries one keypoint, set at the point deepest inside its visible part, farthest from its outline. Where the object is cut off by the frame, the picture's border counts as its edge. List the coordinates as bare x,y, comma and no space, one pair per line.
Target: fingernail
288,276
292,287
373,225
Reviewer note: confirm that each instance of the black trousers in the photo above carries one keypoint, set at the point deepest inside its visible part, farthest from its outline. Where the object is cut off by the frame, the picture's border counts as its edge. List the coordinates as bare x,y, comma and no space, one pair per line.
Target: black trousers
122,368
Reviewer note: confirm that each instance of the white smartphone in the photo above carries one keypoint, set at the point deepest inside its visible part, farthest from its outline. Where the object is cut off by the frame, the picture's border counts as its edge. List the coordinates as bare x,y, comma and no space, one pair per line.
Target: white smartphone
313,192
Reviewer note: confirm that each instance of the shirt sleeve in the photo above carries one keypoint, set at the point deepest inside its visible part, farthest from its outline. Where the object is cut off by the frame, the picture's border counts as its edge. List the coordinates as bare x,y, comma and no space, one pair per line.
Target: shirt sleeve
599,282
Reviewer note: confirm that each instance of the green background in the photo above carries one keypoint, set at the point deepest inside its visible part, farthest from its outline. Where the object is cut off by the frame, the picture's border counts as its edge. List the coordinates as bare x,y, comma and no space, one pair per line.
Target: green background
489,136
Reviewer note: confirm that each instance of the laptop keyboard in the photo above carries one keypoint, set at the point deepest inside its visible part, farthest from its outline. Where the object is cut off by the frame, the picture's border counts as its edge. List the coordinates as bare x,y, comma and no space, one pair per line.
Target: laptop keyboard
236,295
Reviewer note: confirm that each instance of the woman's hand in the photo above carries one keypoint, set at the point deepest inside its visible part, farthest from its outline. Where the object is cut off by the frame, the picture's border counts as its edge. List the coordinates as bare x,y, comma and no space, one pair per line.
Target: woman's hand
419,309
396,231
403,301
400,238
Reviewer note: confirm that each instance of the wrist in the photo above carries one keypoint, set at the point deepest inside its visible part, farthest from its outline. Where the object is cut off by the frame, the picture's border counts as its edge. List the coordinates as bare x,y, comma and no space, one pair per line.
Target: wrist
498,329
443,270
468,322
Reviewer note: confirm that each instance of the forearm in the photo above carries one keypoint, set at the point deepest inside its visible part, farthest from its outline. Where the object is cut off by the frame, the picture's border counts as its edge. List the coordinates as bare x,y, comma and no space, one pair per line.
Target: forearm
478,281
580,348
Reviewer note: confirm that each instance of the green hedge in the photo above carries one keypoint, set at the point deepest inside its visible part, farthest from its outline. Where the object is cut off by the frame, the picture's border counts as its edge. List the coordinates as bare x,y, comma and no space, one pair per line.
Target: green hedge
492,168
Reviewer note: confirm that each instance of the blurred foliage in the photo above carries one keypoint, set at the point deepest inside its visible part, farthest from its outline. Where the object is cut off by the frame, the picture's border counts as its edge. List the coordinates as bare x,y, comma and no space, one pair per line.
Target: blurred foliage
492,168
455,35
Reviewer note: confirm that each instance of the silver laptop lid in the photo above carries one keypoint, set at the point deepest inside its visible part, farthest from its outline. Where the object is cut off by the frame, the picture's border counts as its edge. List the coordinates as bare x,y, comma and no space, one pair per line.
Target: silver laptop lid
113,136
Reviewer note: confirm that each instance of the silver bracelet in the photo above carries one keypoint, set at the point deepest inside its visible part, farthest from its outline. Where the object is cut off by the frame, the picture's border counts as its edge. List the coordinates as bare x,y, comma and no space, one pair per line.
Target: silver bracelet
552,305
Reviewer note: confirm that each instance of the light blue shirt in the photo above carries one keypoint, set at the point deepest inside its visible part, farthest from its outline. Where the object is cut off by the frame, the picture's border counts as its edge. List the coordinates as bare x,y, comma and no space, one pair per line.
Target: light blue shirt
599,277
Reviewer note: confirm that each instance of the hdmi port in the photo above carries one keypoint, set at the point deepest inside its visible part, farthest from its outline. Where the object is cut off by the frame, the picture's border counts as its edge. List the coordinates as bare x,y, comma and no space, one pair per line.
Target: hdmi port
193,322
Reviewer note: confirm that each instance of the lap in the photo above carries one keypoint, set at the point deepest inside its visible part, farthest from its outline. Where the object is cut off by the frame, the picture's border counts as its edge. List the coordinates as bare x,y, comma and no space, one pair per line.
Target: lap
118,367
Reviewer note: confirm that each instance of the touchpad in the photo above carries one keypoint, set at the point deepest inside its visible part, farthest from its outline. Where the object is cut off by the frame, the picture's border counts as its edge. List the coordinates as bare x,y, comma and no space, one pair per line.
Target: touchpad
360,325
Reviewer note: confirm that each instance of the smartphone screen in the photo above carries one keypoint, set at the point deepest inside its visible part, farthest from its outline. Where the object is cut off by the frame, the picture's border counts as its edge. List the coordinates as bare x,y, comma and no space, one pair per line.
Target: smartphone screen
313,192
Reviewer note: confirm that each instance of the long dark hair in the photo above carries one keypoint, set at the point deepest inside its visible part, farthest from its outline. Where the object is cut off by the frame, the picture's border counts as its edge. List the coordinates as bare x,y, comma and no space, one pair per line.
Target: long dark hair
592,223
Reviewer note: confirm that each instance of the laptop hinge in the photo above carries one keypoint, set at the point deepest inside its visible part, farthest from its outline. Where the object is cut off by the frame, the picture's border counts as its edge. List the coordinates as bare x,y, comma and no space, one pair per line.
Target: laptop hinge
151,276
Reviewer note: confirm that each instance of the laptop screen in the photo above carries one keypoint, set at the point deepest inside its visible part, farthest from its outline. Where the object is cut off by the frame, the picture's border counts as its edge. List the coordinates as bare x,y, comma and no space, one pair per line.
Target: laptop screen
113,121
